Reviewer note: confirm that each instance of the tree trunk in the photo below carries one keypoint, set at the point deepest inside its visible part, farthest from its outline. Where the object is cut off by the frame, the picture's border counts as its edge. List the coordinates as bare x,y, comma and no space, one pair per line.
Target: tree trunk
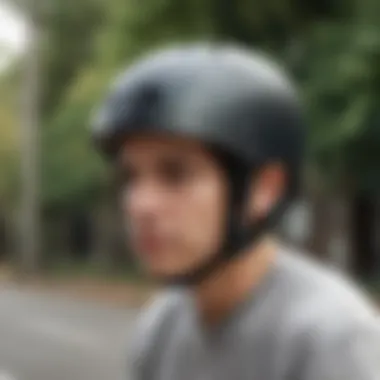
318,243
30,218
100,252
365,259
339,245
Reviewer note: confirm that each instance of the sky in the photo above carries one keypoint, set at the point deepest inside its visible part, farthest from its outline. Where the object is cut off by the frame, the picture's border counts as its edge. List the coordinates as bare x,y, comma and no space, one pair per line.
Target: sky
12,35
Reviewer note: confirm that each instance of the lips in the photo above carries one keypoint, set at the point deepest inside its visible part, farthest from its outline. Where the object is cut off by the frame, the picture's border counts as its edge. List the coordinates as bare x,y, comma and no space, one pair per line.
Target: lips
149,245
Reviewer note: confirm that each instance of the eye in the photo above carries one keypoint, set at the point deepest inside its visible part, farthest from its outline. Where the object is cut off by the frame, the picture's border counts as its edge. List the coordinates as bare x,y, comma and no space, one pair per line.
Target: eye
126,177
175,173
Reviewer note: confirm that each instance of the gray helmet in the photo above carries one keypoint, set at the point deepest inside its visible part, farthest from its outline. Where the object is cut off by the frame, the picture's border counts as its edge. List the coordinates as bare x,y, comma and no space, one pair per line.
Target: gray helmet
238,103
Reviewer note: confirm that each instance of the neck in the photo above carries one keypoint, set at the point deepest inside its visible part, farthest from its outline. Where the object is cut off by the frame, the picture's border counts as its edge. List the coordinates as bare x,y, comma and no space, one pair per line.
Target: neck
227,288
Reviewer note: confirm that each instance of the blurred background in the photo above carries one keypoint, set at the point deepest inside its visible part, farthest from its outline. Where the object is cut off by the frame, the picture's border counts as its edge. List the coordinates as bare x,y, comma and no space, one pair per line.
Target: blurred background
60,230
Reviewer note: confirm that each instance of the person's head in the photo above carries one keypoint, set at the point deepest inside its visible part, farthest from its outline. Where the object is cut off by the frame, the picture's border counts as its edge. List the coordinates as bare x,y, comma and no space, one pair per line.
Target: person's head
175,196
208,142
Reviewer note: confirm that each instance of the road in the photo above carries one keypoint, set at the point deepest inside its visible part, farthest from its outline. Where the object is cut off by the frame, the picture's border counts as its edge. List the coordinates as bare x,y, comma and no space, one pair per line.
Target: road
46,337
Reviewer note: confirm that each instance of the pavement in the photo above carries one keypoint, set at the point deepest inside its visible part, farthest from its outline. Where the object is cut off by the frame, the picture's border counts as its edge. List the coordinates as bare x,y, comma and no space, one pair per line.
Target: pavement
52,337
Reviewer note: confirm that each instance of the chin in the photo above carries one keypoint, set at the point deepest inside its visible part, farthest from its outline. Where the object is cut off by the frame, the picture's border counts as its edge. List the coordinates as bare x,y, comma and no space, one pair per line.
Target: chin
164,274
160,272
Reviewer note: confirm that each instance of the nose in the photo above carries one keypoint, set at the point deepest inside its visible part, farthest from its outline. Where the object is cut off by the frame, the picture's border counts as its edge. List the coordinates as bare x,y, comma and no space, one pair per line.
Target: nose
144,200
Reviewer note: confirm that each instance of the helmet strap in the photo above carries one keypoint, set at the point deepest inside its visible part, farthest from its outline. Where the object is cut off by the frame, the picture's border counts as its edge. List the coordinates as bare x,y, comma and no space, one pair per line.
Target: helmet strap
238,236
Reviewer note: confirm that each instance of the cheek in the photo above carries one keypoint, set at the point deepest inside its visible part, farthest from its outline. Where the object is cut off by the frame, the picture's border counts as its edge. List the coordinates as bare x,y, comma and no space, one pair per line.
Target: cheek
190,220
203,212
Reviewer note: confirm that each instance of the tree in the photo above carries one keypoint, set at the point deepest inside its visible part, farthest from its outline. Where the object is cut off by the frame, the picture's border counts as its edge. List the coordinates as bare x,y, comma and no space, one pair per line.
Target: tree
332,47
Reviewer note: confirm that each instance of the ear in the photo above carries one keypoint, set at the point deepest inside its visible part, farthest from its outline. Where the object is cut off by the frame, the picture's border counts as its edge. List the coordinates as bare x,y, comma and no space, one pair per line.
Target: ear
266,189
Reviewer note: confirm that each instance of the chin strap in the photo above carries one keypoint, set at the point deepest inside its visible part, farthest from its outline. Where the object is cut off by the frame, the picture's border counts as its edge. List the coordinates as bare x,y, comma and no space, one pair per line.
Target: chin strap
237,236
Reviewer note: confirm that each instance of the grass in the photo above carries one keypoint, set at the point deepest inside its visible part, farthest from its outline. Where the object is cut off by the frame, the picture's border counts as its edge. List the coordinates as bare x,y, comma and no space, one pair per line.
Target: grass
72,269
124,287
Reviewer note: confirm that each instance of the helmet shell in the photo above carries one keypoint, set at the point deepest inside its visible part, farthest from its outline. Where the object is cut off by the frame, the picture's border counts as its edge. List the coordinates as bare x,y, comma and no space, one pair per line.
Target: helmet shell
236,100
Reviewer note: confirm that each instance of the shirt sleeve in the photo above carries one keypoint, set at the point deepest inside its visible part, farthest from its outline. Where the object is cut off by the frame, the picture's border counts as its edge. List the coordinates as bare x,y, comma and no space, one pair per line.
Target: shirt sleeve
354,355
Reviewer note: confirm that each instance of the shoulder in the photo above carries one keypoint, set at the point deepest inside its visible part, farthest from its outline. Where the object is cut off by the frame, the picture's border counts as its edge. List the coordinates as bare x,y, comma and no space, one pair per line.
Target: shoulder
149,327
323,293
335,327
341,348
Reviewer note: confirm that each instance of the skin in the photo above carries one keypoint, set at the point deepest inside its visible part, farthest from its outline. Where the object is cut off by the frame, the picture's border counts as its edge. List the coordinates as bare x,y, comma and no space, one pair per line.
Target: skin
175,198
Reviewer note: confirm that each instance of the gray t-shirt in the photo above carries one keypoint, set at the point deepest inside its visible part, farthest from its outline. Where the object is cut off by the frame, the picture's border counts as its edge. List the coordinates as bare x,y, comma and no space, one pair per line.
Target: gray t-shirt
304,322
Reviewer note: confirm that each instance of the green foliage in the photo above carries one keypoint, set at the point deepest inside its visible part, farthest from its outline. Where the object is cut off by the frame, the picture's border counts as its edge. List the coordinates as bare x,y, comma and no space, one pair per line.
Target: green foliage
9,134
333,47
342,87
69,45
72,171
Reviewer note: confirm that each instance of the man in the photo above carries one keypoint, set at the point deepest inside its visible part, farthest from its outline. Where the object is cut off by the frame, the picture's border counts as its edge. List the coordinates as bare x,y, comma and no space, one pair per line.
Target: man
210,141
